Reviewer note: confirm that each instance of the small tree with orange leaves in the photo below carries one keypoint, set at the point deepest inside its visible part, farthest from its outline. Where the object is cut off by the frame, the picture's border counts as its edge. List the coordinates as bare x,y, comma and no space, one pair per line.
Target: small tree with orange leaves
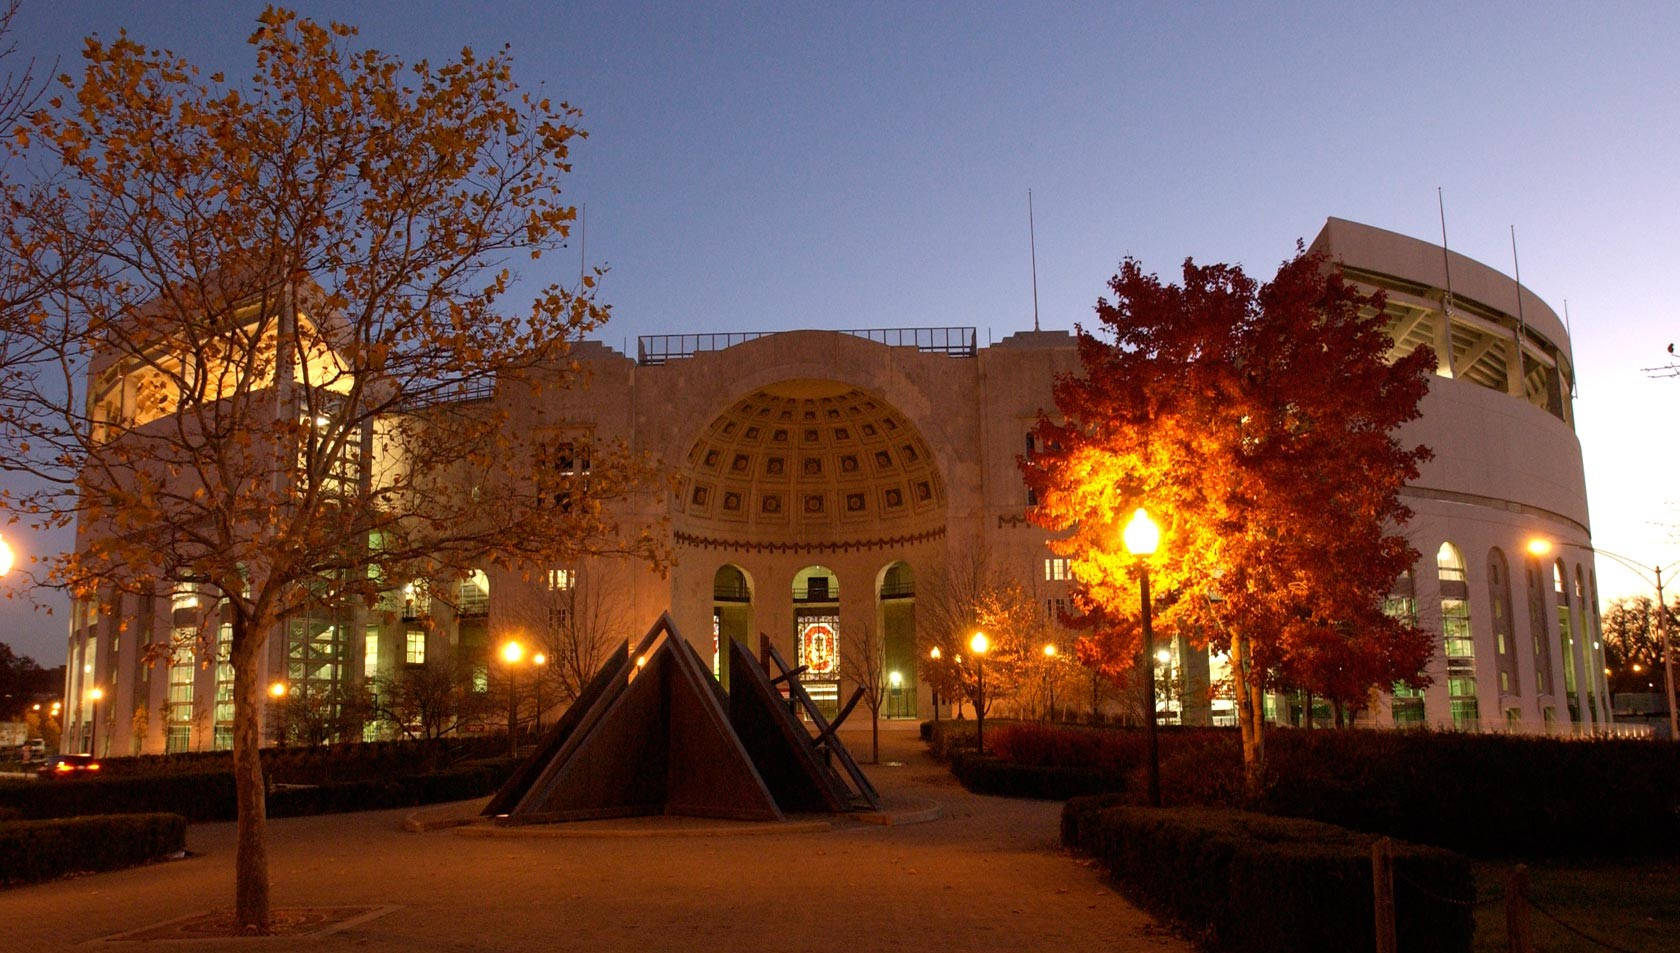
1257,424
268,319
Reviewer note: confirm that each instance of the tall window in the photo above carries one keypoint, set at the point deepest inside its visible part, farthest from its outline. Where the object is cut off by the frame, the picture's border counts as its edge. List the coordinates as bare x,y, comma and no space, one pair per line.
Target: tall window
475,594
1566,637
414,647
1499,603
1458,645
560,580
1406,702
179,711
1589,646
1539,635
224,688
370,658
1056,569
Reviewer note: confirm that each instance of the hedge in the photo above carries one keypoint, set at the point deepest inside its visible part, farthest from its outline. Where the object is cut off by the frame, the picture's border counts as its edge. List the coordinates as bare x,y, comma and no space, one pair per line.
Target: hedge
322,764
990,774
33,851
1250,883
209,795
1487,795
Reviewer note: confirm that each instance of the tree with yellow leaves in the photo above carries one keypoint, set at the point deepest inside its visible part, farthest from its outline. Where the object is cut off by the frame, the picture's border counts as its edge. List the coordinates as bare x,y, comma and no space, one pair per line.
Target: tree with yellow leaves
264,325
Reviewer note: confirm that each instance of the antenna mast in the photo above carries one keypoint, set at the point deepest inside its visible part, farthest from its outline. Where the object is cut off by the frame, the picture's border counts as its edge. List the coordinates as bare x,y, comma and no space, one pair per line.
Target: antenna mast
1032,242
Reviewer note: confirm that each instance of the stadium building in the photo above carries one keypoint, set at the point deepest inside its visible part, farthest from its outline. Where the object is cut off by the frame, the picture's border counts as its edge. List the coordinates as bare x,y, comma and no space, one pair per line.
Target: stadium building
820,479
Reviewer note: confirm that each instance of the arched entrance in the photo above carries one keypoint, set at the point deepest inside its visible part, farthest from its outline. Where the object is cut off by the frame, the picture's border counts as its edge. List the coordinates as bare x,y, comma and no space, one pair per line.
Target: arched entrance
793,488
816,634
732,606
895,601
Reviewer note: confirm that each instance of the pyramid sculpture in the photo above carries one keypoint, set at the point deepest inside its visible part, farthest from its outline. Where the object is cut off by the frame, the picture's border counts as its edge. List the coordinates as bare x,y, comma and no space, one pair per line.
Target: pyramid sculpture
645,737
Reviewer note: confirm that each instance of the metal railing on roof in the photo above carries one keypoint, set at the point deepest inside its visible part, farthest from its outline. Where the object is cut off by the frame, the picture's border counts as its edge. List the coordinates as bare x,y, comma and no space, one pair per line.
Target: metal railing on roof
952,342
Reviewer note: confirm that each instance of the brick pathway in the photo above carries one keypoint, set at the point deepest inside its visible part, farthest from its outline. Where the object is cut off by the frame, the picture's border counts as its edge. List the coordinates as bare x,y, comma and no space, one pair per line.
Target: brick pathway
987,876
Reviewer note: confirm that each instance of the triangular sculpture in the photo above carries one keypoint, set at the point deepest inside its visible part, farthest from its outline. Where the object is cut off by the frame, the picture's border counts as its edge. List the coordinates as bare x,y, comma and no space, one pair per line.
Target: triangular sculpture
649,737
653,733
787,760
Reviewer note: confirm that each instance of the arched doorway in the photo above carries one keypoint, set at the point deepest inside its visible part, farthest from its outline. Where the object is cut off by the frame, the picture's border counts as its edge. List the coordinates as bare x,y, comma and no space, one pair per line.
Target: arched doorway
732,606
895,600
816,634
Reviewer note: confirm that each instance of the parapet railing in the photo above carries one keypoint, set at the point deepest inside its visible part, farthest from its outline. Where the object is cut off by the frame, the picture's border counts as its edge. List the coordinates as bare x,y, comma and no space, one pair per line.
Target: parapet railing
952,342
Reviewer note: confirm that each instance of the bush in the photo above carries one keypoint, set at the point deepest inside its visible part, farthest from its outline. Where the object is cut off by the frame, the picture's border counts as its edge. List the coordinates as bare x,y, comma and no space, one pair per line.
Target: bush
323,764
989,774
1248,882
33,851
208,795
1488,795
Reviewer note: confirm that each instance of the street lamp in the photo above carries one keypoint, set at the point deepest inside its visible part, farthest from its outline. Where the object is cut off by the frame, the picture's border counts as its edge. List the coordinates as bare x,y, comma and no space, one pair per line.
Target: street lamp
933,654
978,645
96,693
1540,546
512,652
277,690
1141,537
7,557
538,661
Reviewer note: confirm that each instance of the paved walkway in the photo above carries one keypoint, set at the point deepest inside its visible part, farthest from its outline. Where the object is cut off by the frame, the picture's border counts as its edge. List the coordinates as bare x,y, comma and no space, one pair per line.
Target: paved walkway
986,876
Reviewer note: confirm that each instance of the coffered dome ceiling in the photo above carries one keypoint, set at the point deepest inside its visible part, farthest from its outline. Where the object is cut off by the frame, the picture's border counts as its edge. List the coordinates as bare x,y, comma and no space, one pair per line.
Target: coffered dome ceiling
810,455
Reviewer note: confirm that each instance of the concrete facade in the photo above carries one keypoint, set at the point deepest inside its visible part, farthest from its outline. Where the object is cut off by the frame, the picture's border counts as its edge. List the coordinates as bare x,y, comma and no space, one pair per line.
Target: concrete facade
847,454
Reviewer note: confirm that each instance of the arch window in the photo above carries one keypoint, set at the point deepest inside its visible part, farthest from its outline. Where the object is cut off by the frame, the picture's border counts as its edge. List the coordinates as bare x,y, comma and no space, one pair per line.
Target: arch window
896,609
816,634
731,613
1566,637
1589,645
1499,604
1458,645
1539,636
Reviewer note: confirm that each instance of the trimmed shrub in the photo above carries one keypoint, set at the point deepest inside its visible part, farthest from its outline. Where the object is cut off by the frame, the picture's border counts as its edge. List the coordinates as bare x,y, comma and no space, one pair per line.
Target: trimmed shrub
208,795
33,851
1249,883
1487,795
990,774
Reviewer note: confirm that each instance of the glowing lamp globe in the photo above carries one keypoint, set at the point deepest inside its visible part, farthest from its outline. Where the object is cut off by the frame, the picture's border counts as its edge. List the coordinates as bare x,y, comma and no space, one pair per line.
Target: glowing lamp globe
979,644
6,557
1141,534
1539,546
512,652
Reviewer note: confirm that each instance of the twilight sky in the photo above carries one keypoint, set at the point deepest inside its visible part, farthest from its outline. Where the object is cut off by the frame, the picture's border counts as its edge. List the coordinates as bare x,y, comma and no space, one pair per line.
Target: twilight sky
838,165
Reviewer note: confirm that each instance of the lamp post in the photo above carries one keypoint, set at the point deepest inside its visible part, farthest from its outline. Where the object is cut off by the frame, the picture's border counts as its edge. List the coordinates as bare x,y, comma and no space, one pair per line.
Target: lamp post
537,662
978,645
1049,683
1540,547
1141,537
512,652
933,654
95,693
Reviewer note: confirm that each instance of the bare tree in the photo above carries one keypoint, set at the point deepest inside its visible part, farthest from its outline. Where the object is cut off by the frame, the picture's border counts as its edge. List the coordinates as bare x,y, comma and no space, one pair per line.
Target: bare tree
311,715
586,619
863,662
431,701
968,595
268,321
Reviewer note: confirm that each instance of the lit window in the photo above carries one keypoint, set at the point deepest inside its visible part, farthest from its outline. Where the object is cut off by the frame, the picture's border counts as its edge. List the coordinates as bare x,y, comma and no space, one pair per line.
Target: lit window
560,580
415,647
370,662
1056,569
184,597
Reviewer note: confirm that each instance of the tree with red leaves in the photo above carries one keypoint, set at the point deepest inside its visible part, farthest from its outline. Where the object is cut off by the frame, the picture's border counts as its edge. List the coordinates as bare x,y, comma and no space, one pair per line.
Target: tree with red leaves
1257,425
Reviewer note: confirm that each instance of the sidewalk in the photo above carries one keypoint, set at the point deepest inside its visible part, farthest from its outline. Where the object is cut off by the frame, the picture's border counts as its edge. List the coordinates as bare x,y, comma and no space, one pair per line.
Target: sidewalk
986,876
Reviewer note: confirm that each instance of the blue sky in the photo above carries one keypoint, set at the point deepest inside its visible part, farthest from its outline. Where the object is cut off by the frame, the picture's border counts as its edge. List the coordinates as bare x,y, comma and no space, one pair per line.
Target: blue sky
866,165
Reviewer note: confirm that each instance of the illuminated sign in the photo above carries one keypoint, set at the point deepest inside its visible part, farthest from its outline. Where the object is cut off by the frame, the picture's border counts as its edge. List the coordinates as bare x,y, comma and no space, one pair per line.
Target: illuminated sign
819,646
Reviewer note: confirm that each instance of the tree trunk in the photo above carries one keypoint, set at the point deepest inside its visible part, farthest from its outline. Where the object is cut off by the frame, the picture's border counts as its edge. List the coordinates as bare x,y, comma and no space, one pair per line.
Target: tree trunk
251,906
1250,718
1307,711
874,736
